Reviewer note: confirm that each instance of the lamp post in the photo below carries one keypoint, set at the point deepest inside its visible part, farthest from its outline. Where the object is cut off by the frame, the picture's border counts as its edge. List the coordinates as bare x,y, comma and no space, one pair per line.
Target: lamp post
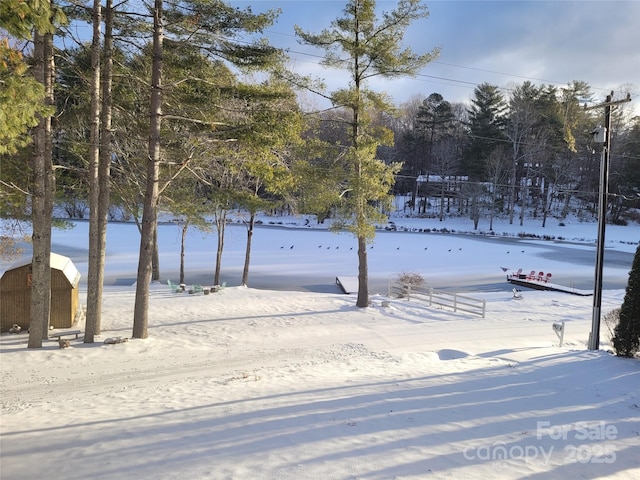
602,135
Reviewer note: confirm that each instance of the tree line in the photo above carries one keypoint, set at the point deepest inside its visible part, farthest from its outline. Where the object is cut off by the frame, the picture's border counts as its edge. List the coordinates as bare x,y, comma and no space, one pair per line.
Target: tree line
530,149
184,106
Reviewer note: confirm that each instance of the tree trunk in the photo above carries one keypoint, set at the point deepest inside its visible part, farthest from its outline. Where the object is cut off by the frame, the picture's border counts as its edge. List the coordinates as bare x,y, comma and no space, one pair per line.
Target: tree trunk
104,166
221,221
523,203
442,201
414,194
565,207
363,274
155,260
100,168
93,278
150,211
493,206
42,199
183,239
475,210
247,255
512,192
363,269
546,204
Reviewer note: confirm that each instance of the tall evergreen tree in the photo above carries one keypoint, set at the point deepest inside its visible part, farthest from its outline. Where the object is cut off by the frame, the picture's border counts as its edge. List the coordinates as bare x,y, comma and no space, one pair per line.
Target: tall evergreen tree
626,340
220,31
486,127
366,48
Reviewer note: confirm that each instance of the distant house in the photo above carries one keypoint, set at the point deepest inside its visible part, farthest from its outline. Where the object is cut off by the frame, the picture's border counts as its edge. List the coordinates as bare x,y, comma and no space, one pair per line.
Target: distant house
15,293
440,185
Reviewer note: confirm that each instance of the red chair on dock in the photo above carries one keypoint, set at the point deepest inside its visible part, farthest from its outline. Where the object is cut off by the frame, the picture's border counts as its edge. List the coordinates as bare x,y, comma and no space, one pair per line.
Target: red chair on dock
548,279
541,276
532,275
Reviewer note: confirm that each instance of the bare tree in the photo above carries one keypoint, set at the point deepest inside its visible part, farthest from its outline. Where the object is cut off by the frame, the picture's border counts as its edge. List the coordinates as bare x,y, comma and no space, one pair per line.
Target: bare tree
498,168
523,117
445,157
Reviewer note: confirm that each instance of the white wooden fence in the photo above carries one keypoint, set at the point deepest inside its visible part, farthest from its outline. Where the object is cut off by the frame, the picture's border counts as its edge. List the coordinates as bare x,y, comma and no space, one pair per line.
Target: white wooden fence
430,296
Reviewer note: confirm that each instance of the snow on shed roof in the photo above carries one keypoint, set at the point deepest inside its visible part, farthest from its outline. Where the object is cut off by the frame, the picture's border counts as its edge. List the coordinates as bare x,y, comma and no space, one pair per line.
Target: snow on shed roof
58,262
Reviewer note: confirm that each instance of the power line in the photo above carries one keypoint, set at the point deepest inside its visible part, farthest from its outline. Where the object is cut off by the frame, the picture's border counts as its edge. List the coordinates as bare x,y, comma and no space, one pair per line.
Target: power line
457,82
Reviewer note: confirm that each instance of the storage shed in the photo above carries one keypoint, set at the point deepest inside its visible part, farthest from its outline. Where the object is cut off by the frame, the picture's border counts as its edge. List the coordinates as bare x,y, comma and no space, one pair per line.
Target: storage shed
15,293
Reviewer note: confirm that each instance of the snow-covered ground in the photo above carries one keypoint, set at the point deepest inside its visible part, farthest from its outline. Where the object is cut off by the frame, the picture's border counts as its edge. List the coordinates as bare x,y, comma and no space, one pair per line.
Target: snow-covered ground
295,382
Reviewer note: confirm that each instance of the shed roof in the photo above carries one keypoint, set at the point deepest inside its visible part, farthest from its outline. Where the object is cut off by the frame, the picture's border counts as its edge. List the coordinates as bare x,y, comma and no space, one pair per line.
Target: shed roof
57,262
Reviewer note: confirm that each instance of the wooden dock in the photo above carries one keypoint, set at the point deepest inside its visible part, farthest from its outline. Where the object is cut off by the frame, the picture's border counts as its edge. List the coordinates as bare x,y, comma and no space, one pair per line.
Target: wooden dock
543,284
347,284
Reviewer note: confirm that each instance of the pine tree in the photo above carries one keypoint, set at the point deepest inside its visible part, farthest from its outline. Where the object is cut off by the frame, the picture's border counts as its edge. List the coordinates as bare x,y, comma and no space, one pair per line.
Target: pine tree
221,31
486,125
21,96
366,47
626,340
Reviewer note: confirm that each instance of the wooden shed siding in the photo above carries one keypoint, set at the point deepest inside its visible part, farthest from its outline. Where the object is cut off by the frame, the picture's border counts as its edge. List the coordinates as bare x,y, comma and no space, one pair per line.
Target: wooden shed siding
15,299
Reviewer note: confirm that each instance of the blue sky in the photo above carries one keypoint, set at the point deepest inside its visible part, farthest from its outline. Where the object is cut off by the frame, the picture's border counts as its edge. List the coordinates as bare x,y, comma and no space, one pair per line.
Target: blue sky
500,42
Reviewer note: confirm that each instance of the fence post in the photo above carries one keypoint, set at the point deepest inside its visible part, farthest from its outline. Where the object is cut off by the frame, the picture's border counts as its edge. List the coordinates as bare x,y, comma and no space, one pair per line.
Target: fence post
484,307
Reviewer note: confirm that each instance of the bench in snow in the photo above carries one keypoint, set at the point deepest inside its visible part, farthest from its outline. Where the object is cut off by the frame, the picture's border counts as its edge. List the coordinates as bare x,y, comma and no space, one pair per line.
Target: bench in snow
66,333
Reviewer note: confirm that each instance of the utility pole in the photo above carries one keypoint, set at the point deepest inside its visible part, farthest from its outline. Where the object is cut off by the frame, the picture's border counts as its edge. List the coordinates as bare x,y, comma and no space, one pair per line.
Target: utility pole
602,135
